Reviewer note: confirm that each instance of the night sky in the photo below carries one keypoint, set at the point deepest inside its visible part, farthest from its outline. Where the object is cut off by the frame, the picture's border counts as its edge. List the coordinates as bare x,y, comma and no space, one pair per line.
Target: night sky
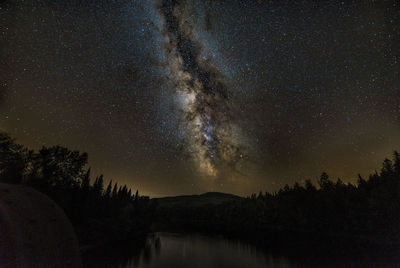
181,97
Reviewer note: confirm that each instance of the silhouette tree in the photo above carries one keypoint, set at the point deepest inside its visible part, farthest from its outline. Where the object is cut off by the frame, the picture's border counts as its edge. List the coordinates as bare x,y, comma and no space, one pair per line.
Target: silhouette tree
324,182
98,216
98,185
85,184
13,160
387,168
396,165
115,191
107,193
309,186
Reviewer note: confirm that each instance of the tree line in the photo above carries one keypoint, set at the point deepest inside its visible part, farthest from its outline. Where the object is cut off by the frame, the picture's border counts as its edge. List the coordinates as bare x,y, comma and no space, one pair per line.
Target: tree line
367,212
99,214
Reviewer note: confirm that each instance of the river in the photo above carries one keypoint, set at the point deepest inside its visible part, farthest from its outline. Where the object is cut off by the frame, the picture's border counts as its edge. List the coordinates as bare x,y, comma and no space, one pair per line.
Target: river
197,251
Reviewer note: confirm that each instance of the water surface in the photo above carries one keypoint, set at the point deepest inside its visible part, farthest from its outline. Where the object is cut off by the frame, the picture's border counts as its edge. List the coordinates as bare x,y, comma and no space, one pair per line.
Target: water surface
198,251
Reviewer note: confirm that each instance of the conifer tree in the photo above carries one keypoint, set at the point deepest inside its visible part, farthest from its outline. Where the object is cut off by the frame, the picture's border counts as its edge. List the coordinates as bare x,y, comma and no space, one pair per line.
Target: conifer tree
107,194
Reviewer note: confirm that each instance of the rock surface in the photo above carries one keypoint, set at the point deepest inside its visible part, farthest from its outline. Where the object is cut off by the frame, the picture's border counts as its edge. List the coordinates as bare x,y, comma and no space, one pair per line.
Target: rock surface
34,231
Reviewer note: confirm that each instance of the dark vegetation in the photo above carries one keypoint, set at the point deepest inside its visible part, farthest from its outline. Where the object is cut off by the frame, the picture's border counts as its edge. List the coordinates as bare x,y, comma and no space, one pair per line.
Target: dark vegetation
99,214
195,200
330,212
368,212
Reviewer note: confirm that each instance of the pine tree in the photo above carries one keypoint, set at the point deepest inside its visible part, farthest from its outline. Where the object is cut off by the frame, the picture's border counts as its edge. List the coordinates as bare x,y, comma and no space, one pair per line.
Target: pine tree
387,168
107,194
115,191
98,185
324,181
137,195
309,186
396,165
85,184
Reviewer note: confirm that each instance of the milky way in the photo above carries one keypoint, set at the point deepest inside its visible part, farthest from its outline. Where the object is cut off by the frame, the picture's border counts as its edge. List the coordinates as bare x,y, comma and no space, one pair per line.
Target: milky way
182,97
205,99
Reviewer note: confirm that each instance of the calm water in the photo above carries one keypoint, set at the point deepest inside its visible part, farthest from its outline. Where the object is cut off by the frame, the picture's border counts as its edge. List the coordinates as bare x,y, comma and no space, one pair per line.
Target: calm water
173,250
197,251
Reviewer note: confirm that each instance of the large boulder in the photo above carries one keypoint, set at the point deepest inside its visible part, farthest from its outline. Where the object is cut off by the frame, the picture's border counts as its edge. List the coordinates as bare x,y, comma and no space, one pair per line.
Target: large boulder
34,231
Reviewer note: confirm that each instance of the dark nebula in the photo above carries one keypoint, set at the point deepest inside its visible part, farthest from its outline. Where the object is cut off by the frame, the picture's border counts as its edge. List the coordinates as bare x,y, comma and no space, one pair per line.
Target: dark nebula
210,113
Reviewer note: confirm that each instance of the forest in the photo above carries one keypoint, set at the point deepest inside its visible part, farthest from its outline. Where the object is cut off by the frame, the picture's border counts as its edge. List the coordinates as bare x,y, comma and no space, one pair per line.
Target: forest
331,213
100,215
367,212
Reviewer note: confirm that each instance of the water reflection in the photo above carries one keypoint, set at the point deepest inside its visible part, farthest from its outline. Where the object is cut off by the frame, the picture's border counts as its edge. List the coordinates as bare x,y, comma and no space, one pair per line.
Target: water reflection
177,250
195,251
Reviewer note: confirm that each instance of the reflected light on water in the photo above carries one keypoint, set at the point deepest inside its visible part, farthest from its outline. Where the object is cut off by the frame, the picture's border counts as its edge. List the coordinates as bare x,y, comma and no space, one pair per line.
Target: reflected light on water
198,251
195,251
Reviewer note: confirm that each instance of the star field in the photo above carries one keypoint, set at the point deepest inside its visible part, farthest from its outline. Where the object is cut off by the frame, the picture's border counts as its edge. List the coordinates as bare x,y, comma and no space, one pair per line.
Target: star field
177,97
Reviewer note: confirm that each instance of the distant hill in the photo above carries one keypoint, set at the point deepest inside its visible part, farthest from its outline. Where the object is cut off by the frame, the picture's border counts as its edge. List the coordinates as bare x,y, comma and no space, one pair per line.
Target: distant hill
196,200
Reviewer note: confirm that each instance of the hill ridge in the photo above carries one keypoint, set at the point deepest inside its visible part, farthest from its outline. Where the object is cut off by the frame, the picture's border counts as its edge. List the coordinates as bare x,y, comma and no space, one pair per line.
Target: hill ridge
196,199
